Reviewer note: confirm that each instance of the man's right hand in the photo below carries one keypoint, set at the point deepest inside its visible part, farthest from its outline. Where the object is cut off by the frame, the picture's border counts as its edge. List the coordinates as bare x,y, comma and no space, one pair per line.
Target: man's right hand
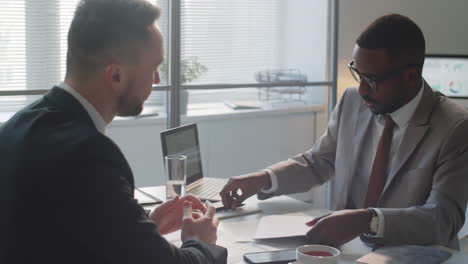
203,228
242,187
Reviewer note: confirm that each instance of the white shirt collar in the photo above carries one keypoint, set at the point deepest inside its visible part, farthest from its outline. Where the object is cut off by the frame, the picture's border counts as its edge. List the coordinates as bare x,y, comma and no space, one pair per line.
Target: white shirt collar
402,115
92,112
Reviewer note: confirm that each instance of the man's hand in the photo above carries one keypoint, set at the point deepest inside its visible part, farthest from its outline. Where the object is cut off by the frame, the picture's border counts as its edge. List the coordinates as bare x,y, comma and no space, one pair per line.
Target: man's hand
339,227
242,187
168,216
204,228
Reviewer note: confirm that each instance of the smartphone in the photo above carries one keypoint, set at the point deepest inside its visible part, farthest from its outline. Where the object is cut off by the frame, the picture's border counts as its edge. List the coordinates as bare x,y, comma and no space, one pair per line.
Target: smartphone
271,257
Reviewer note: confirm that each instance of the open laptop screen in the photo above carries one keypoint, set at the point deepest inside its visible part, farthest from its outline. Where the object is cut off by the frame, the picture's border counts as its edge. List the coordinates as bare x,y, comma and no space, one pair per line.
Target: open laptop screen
183,140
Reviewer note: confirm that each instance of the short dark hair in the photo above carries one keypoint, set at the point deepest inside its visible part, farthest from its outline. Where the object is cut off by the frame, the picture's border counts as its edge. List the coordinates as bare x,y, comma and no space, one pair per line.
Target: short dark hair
107,31
398,35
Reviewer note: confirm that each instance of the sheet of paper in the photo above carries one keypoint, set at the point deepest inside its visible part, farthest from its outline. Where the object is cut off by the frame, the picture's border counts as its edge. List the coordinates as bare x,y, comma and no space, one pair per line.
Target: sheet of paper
241,104
144,198
174,238
241,211
236,250
276,226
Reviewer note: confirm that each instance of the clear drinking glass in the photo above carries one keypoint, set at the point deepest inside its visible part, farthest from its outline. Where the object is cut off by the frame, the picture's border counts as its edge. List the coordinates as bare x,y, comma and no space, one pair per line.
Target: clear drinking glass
176,171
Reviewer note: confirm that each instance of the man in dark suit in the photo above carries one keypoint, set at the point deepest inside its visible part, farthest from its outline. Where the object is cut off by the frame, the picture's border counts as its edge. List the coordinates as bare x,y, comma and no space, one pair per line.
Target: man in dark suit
67,190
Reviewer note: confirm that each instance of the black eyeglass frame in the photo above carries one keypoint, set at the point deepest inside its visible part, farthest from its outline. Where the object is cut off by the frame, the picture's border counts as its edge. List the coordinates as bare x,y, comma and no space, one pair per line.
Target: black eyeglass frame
372,81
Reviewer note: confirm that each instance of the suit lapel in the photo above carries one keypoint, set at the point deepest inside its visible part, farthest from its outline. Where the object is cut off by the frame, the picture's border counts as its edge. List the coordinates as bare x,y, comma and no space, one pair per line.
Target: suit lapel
417,128
361,128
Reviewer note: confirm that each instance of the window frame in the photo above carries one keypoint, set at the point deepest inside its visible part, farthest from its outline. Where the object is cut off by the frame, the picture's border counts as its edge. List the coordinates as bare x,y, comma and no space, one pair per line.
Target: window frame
174,85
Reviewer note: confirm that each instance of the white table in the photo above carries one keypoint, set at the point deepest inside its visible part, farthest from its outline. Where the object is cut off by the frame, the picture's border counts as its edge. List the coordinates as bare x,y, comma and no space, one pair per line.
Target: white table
236,233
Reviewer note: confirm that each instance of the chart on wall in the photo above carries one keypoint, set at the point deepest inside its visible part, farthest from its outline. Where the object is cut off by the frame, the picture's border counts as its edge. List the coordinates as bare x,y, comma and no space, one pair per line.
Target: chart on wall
447,74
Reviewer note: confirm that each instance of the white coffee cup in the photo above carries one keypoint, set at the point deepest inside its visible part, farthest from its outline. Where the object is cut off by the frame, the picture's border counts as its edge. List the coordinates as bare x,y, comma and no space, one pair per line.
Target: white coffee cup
317,254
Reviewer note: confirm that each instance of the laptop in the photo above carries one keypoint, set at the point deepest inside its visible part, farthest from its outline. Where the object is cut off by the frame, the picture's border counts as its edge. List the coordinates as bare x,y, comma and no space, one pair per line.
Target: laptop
183,140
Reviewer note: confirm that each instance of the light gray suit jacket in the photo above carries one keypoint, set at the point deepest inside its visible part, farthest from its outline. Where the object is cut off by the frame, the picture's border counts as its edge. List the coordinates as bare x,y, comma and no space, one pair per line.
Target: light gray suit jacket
426,192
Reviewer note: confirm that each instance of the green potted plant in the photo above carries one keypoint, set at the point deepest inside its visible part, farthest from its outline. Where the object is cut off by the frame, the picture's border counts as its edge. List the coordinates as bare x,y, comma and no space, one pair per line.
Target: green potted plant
191,70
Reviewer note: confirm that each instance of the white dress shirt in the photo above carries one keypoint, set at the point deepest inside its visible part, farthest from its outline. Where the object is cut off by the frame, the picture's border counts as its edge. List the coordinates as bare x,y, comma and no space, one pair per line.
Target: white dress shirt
401,117
92,112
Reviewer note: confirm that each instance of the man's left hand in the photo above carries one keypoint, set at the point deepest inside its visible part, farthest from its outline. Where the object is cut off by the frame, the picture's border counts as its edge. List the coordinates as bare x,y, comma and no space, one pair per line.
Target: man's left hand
168,216
339,227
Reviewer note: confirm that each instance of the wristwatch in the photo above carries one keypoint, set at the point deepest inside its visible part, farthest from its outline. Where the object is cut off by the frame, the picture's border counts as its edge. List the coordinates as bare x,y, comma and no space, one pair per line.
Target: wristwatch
374,222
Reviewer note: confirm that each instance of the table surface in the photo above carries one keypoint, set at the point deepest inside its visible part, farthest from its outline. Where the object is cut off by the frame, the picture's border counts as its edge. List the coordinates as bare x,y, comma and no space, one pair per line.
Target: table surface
237,233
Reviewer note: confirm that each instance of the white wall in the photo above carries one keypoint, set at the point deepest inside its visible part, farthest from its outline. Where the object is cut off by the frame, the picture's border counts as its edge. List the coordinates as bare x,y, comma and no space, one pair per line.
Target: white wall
443,22
304,43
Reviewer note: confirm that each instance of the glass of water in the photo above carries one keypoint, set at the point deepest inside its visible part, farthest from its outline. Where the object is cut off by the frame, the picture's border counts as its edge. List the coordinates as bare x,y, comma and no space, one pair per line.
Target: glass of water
176,170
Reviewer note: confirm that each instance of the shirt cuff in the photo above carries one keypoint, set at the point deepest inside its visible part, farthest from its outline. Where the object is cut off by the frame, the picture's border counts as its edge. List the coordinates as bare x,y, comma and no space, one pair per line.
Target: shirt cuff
274,182
381,223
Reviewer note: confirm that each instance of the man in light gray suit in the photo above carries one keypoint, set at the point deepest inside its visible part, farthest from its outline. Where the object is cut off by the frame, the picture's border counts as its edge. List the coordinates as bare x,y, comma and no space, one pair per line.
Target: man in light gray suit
397,150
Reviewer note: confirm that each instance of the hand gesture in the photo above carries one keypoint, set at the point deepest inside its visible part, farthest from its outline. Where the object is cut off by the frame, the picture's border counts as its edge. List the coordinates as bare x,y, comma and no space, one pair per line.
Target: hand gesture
335,229
168,216
242,187
204,228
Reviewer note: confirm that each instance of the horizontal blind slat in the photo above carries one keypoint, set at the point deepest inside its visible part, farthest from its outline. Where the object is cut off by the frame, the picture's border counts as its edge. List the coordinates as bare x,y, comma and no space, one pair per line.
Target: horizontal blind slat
33,42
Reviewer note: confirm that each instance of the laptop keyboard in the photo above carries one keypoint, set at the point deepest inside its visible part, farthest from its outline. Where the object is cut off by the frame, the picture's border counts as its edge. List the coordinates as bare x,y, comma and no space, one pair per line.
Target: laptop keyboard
208,188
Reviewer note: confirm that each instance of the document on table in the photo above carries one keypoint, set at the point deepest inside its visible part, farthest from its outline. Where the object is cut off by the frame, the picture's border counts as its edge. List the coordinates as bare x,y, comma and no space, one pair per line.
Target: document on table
241,211
277,226
145,198
236,249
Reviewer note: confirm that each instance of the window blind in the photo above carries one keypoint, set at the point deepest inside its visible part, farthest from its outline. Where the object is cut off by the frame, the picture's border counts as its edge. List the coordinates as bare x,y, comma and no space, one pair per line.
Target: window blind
226,41
12,45
33,41
234,40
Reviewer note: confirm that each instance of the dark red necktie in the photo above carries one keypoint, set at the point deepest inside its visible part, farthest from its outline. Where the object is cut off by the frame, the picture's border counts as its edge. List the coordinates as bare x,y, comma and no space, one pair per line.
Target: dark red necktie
379,167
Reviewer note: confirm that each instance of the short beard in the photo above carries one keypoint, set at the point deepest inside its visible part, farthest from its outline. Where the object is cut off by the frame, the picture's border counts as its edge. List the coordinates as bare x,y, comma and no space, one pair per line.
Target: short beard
126,108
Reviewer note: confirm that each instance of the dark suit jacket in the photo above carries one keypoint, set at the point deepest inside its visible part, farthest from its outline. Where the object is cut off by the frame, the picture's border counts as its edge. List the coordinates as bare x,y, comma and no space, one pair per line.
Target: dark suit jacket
68,194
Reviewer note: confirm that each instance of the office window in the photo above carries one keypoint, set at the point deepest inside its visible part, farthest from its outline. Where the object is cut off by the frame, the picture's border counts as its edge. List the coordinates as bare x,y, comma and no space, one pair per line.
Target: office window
237,43
233,40
239,50
13,45
33,47
30,57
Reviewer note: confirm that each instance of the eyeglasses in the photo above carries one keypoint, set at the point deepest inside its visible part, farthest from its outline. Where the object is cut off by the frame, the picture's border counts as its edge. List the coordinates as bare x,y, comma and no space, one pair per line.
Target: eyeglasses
372,80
